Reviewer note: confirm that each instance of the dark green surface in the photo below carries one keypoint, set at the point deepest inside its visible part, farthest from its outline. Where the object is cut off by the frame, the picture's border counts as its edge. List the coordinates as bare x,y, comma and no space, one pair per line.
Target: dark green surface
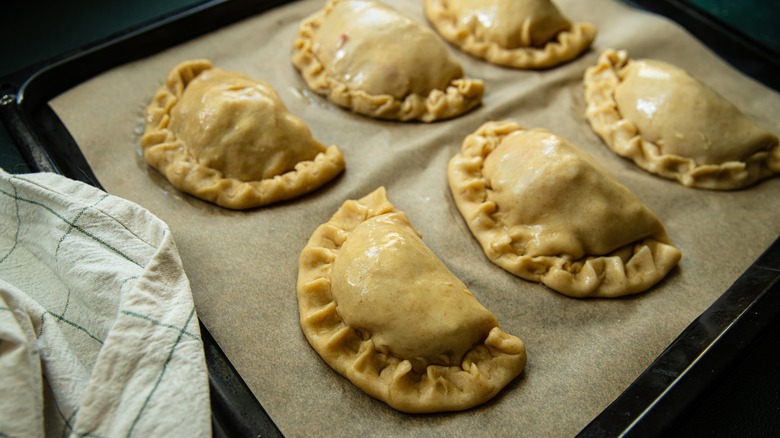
34,32
746,403
39,30
757,19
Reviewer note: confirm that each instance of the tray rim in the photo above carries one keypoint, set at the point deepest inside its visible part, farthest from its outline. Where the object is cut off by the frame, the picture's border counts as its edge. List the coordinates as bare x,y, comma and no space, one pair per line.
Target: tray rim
649,406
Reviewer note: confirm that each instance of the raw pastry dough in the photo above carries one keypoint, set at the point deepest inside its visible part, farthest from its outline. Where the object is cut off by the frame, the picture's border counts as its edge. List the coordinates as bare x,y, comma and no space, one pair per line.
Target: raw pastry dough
368,57
229,139
544,211
381,309
522,34
672,125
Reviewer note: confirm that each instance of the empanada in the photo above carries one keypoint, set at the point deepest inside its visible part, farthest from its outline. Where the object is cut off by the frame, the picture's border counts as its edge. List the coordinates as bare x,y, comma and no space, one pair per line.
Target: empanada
368,57
544,211
229,139
524,34
383,310
674,126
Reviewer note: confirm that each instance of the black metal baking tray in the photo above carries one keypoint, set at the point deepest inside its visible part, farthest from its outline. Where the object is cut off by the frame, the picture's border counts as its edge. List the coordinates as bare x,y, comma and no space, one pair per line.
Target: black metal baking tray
662,400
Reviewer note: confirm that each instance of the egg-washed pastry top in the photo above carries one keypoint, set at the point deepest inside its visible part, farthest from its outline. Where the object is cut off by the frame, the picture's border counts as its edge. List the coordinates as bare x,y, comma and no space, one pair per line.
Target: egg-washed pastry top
543,210
524,34
384,311
370,58
672,125
229,139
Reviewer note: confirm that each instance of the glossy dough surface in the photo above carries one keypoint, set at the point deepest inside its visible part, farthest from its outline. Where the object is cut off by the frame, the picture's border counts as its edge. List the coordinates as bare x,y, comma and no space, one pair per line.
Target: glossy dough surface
544,211
383,310
367,57
229,139
522,34
672,125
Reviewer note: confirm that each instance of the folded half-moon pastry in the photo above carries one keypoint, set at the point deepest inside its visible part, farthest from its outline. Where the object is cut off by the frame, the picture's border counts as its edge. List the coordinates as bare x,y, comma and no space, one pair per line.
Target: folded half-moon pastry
544,211
674,126
229,139
383,310
524,34
367,57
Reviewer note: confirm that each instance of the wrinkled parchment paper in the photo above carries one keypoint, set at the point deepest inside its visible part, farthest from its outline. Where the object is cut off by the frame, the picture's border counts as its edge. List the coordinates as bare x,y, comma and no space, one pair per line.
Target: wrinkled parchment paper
243,265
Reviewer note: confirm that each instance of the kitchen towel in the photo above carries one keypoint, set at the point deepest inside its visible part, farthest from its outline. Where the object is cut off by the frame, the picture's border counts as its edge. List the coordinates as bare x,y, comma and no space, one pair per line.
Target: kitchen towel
98,331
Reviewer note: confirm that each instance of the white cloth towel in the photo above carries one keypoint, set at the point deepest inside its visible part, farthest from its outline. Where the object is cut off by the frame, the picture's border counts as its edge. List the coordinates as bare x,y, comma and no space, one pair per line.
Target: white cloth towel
98,331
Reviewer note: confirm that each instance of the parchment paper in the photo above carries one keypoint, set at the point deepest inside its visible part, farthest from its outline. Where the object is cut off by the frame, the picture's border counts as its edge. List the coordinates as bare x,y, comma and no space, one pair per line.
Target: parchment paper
243,265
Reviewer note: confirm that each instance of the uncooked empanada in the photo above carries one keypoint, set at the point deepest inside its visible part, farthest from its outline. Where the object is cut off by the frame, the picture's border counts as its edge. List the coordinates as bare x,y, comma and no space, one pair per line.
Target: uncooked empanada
368,57
515,33
229,139
544,211
382,309
673,125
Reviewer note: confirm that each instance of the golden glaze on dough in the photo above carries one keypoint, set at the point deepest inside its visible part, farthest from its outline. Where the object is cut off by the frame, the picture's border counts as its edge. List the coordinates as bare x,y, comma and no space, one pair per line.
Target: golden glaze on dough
229,139
367,57
522,34
383,310
672,125
544,211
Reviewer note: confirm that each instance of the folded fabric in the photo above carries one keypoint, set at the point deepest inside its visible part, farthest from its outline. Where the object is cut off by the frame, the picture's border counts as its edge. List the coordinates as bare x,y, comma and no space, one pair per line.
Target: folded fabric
98,331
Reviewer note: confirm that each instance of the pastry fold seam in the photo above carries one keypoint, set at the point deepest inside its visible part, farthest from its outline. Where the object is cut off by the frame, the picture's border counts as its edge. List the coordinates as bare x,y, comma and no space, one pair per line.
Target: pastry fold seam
460,96
623,137
629,269
170,156
412,385
566,46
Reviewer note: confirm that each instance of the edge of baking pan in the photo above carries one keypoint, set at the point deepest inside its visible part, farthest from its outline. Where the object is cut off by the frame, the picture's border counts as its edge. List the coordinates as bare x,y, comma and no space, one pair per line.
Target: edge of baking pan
651,405
47,146
660,399
738,49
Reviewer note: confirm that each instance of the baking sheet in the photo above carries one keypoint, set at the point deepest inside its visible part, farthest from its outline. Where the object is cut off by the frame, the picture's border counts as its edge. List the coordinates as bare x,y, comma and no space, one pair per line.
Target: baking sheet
243,265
